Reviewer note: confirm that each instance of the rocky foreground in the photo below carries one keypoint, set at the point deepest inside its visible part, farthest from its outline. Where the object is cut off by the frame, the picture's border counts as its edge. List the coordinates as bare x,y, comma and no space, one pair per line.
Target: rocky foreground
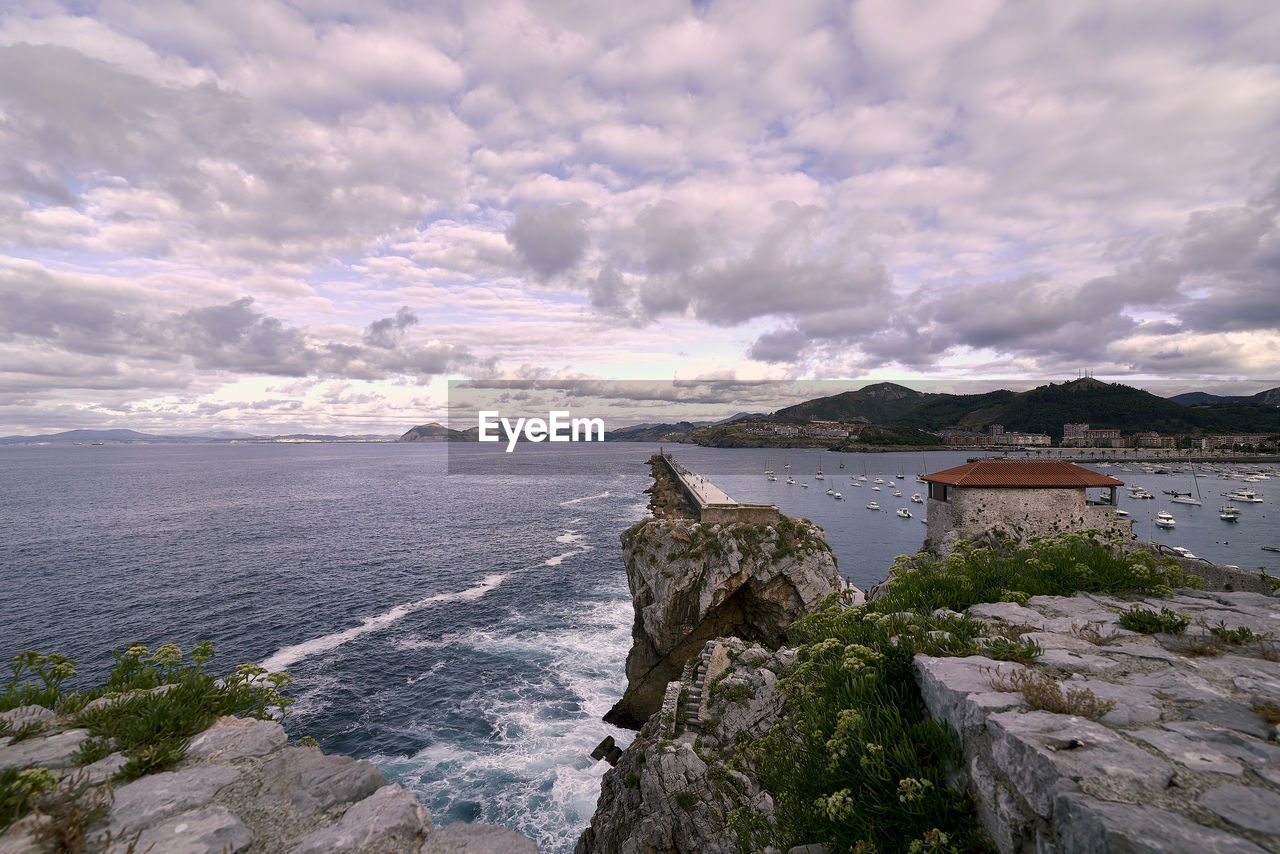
1185,759
240,788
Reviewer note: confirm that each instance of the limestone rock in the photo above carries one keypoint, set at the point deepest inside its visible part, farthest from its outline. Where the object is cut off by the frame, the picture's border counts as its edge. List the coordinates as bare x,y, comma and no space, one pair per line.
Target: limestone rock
212,830
390,810
1245,806
1040,750
1095,826
692,582
462,838
156,796
49,752
233,738
312,781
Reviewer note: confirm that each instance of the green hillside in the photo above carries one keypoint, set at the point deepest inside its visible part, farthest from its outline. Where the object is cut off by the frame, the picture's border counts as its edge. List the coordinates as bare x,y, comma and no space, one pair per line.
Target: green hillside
1101,405
881,403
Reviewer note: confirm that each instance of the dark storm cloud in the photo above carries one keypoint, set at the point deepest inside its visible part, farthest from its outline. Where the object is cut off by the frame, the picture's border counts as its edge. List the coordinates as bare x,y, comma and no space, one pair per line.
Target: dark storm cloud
549,240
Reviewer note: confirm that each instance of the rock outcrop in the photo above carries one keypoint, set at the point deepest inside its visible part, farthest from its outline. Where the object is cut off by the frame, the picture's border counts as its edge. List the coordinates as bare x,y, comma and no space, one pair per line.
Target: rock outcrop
239,788
1185,759
674,789
692,582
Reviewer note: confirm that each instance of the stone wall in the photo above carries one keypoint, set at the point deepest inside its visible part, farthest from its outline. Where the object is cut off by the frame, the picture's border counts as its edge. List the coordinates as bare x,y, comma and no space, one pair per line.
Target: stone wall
751,514
973,514
240,788
1185,760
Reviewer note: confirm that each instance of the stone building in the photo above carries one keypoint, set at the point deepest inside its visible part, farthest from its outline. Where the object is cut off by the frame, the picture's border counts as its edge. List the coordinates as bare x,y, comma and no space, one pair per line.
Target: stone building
1019,499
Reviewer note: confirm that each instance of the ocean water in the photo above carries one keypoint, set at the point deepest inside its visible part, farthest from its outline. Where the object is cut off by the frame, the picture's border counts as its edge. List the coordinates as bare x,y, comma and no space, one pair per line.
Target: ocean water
463,631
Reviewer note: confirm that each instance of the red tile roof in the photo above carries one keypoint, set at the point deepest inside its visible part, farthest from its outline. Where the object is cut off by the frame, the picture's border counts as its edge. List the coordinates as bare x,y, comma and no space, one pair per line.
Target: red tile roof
1017,473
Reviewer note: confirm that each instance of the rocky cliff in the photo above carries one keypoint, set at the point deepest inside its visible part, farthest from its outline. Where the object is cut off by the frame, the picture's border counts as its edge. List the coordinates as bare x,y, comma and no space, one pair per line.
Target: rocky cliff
677,788
692,582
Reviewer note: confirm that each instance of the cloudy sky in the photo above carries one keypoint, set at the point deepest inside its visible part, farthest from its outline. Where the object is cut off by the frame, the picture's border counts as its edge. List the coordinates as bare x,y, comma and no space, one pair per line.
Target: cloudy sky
265,216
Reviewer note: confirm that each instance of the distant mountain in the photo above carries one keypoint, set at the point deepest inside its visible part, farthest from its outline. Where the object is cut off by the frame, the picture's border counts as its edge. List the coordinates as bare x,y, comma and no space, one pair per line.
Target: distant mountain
677,432
741,416
1196,398
1101,405
880,404
83,436
435,432
1270,397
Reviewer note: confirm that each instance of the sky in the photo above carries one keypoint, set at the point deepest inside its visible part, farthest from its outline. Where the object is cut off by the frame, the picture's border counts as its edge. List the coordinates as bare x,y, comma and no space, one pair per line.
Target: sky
265,216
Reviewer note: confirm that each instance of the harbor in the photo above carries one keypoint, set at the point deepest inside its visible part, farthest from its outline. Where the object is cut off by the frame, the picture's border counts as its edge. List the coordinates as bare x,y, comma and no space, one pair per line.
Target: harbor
866,542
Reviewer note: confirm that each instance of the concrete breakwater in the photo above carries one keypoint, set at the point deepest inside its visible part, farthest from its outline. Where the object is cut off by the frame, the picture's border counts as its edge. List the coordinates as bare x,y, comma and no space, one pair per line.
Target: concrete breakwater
710,503
239,788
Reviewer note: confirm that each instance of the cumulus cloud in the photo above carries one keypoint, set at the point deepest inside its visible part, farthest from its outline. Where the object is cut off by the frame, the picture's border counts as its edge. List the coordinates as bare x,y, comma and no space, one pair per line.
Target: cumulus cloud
207,194
550,240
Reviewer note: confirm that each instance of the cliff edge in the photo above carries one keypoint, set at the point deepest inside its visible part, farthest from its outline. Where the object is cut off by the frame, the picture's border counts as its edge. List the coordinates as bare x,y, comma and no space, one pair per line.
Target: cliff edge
691,582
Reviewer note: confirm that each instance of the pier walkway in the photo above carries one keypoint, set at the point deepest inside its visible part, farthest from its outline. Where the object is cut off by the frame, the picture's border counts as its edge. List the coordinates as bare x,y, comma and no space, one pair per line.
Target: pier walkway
712,503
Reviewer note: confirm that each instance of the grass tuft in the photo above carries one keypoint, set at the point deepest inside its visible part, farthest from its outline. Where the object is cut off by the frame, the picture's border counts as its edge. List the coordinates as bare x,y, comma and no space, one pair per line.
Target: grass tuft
1042,691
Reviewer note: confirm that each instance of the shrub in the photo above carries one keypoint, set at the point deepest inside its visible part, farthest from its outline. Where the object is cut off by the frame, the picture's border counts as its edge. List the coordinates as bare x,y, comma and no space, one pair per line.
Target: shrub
1139,619
1235,637
19,790
1039,567
36,681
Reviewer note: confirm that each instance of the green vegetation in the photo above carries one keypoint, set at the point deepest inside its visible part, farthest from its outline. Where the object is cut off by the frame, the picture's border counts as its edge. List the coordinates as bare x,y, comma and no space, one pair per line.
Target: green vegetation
1235,637
19,790
880,403
1060,566
1021,650
896,435
150,707
855,761
1139,619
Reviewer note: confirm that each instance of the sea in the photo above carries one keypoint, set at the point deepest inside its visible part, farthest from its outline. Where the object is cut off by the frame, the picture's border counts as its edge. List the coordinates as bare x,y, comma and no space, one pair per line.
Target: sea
464,631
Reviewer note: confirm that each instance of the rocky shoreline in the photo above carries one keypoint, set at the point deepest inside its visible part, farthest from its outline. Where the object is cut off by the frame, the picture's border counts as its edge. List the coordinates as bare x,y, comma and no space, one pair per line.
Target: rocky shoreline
239,788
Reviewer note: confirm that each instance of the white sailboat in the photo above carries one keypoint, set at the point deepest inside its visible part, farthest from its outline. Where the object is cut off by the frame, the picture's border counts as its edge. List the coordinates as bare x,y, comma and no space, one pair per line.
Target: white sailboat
1186,498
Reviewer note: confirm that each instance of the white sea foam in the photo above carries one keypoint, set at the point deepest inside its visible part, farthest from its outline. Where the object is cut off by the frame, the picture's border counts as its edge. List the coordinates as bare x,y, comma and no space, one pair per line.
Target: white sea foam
290,655
604,494
532,772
